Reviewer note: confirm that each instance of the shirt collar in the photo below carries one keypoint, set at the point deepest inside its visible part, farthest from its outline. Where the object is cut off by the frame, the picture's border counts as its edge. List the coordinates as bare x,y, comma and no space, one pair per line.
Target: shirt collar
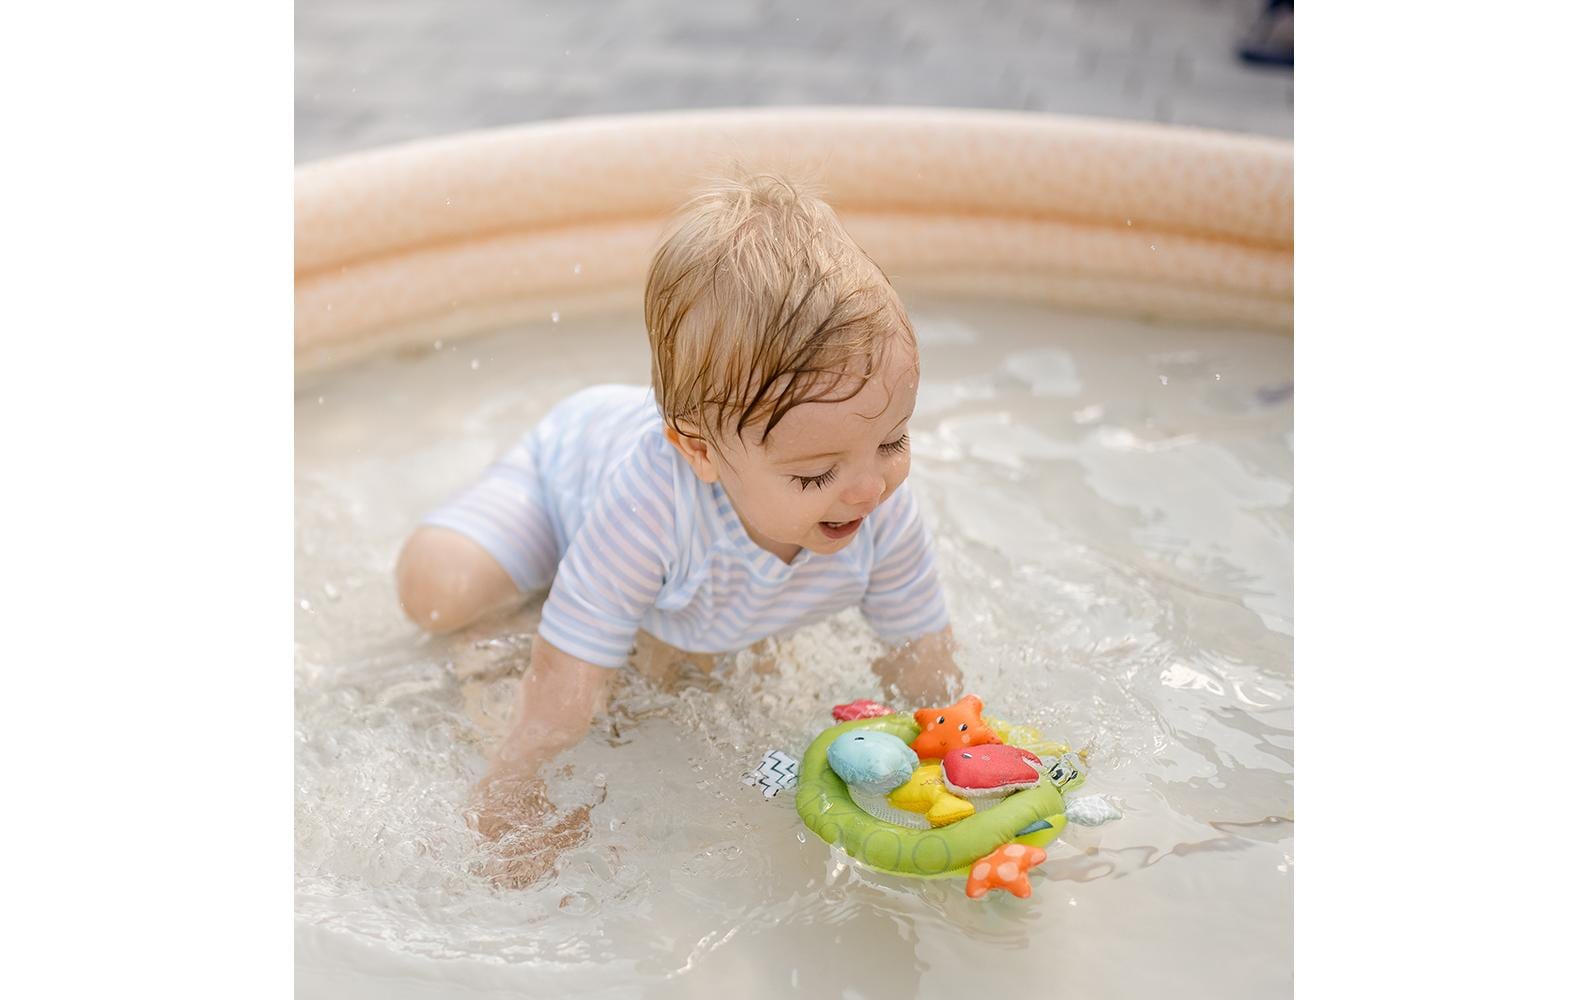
762,563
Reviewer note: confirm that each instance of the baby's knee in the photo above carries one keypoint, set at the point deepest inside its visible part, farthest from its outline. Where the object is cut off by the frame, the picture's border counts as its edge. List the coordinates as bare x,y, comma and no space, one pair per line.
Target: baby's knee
446,581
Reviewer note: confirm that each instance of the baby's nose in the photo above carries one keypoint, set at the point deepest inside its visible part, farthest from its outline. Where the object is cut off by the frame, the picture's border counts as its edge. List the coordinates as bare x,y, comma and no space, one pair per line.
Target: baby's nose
865,491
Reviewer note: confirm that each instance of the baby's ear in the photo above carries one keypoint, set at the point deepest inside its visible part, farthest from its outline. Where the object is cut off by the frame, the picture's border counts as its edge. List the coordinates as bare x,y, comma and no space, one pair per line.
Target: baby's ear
695,451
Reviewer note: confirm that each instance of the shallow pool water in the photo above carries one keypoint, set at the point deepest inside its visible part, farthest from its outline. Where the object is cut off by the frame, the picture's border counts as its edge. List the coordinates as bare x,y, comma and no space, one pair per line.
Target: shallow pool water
1112,504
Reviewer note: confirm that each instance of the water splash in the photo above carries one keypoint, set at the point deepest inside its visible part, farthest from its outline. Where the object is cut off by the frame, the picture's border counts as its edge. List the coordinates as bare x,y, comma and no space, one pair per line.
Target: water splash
1117,566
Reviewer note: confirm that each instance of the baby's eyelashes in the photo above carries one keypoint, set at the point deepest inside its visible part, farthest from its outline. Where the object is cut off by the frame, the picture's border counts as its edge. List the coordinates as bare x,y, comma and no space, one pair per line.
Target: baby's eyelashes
806,482
902,443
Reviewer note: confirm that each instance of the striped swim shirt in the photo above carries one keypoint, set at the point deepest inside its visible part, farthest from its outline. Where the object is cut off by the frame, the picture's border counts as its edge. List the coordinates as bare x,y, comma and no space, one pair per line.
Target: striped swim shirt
597,504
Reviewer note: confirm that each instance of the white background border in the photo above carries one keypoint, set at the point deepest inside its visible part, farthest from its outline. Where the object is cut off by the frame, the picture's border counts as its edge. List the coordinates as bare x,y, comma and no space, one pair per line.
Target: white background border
147,384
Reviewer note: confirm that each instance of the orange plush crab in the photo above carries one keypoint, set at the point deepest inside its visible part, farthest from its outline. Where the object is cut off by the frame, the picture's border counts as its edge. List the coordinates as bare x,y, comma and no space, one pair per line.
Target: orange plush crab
952,728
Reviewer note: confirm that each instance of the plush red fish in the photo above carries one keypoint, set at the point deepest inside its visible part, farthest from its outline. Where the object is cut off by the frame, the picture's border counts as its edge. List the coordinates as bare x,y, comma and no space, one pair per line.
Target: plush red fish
862,709
991,771
953,728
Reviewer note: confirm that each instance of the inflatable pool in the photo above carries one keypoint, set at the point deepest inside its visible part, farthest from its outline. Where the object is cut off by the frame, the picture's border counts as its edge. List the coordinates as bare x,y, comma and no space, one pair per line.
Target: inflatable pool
485,229
504,232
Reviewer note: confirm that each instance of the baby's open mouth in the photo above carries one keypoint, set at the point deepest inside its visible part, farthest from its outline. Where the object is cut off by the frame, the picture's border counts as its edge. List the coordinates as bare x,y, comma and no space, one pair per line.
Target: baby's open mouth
840,529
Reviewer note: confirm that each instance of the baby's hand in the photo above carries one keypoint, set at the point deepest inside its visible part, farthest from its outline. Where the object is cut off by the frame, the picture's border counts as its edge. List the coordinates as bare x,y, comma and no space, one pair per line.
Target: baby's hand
922,672
556,700
525,832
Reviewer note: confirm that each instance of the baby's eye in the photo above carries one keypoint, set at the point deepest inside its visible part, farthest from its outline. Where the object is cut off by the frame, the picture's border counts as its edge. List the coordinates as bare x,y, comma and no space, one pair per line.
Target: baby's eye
806,482
896,446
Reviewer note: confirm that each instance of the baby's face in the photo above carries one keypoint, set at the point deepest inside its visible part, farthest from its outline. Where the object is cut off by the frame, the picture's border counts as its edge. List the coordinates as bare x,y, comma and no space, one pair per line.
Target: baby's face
826,465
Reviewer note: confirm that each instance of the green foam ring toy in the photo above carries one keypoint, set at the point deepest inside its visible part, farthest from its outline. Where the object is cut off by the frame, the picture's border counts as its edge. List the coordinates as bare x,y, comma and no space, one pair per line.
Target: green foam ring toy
822,801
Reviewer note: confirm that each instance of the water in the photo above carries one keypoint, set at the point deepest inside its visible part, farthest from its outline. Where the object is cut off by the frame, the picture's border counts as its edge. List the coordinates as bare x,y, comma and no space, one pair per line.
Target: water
1112,503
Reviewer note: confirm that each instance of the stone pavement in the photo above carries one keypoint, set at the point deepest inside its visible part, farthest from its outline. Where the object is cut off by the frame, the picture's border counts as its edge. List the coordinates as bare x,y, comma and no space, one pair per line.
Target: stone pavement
373,72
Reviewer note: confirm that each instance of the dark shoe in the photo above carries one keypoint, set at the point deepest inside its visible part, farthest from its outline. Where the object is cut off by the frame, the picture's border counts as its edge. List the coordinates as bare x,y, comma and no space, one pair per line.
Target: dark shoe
1271,40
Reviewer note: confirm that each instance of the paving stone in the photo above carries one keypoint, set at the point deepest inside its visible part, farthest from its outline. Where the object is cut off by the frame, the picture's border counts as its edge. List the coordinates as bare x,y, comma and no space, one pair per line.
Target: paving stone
371,72
1231,115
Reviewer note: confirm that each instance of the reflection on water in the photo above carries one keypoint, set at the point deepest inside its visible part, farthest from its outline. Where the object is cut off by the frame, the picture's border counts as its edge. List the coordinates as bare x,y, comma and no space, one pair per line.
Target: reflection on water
1113,509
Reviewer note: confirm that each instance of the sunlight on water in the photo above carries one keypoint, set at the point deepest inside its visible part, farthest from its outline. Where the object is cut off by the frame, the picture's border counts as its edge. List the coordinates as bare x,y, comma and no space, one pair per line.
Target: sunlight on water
1112,504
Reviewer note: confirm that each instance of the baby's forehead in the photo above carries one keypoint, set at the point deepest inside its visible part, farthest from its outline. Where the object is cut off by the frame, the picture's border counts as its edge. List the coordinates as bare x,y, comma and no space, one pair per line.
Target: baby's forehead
883,400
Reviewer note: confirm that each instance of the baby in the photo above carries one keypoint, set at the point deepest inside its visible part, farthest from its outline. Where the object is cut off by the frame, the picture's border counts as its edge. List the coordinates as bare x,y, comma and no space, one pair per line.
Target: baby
758,485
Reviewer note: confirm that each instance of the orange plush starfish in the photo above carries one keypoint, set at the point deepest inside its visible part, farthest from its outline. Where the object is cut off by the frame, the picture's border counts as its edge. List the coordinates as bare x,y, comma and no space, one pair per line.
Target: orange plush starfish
1004,869
952,728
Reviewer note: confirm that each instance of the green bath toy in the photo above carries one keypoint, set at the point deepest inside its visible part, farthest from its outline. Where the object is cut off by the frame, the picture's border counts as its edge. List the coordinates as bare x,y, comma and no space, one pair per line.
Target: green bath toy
824,803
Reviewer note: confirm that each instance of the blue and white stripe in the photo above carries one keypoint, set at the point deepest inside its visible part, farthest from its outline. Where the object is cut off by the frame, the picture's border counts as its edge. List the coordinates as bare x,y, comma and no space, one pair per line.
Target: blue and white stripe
597,504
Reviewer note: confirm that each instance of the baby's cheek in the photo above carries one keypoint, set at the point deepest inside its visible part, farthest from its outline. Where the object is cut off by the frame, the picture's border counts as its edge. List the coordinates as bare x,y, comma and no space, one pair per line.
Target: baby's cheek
894,481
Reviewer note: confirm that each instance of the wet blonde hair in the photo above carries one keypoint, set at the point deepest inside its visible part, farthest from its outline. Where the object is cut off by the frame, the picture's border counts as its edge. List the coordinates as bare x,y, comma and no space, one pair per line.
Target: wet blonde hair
758,301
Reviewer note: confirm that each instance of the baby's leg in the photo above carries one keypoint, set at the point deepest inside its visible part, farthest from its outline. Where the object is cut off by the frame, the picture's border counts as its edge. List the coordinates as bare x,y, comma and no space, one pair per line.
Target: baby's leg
446,580
483,551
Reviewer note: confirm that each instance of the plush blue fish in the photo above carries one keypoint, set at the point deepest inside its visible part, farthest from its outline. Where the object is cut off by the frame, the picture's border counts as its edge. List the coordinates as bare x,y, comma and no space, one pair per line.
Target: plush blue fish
872,761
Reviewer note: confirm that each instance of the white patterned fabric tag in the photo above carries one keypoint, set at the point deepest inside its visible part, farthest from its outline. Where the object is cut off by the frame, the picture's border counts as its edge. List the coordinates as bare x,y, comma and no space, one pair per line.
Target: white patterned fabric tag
776,772
1093,810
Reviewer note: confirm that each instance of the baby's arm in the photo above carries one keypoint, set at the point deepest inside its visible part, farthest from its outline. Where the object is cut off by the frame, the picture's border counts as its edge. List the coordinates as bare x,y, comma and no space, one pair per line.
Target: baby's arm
904,603
557,698
610,576
446,580
922,672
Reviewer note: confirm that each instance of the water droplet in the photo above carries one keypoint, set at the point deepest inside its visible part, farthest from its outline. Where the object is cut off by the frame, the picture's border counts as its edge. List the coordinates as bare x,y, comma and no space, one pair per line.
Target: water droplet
1130,222
1090,414
555,316
1163,380
1217,377
577,268
319,401
303,602
330,590
1152,246
475,364
435,616
439,343
449,201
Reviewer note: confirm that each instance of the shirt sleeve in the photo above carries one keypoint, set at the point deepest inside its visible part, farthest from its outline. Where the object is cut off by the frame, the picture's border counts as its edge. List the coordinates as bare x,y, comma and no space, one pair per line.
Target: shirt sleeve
505,514
616,563
903,598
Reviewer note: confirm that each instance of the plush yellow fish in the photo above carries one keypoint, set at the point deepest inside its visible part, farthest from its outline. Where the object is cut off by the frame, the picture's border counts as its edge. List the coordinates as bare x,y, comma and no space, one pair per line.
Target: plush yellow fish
925,793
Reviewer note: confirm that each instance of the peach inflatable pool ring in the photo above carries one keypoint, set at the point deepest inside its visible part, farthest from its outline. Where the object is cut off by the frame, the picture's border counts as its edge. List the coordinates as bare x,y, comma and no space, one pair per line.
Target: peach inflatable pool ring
953,728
